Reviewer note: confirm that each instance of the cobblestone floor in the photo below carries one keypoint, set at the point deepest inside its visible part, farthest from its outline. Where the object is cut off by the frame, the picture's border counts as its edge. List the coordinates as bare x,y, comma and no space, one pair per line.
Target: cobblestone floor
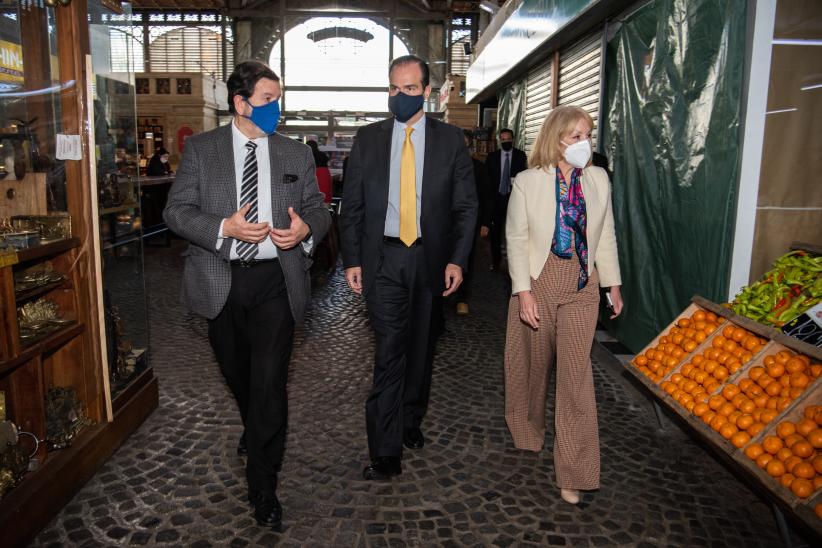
177,480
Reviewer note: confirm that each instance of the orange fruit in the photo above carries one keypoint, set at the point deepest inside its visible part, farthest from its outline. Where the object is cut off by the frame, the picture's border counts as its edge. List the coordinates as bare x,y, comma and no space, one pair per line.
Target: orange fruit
728,332
683,322
791,461
763,460
716,402
801,487
816,462
776,369
816,370
815,438
744,422
727,430
733,417
785,429
717,422
775,468
772,444
786,479
641,360
755,429
721,373
730,392
700,409
773,389
784,454
726,409
768,415
740,439
817,483
799,380
699,316
794,365
747,406
804,470
783,356
805,427
756,372
753,451
739,334
791,439
802,449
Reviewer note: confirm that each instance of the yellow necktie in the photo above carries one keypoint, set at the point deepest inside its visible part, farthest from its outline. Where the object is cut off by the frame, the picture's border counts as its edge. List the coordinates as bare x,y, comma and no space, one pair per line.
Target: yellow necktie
408,191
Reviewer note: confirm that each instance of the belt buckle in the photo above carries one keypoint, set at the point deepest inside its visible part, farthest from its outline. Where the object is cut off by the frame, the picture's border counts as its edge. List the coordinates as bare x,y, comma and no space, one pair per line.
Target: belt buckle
242,263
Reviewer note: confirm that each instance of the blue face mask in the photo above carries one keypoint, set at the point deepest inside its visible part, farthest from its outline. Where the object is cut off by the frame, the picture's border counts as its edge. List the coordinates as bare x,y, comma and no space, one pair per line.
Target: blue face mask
265,117
403,106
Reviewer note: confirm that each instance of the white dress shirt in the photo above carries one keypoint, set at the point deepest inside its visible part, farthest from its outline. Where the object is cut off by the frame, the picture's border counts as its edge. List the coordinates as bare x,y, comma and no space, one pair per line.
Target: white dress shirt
265,249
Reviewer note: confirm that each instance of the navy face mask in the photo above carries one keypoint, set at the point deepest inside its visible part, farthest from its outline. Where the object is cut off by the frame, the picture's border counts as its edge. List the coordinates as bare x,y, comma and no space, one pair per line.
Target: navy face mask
403,106
265,117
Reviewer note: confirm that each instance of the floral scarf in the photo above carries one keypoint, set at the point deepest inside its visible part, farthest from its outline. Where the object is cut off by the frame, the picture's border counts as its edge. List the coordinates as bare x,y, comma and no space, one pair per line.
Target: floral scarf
571,221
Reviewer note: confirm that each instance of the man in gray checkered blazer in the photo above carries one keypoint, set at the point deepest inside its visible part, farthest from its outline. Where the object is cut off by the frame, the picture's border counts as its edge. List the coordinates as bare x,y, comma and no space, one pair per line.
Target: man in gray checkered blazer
246,198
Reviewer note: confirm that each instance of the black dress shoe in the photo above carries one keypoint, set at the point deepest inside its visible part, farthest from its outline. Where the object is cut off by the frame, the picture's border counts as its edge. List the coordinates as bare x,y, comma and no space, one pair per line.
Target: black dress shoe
412,438
268,511
242,449
383,468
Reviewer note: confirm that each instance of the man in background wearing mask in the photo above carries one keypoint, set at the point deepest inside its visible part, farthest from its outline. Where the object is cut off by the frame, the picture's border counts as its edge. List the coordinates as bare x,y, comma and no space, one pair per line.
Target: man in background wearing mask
247,200
503,165
409,212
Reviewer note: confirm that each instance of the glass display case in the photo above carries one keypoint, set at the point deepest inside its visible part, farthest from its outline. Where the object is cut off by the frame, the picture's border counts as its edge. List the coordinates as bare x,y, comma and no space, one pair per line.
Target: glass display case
74,374
118,195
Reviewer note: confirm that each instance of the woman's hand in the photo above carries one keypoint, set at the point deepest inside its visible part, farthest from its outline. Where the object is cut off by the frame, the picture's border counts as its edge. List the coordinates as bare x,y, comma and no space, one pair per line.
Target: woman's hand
616,299
528,309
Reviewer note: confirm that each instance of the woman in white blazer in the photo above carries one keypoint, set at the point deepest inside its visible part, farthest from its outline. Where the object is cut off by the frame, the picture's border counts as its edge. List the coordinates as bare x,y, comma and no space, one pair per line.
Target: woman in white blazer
561,247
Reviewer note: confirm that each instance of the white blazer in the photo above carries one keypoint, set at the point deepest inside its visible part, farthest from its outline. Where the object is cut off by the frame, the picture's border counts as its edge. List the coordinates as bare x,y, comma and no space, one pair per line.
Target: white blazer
529,228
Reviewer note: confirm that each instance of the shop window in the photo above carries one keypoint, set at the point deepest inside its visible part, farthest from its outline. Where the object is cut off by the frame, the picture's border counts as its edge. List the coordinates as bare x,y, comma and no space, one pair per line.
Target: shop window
184,86
163,86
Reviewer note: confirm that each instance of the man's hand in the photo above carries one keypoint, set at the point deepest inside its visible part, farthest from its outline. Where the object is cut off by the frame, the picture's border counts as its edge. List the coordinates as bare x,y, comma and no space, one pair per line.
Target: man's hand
528,309
353,276
238,228
484,231
286,238
453,278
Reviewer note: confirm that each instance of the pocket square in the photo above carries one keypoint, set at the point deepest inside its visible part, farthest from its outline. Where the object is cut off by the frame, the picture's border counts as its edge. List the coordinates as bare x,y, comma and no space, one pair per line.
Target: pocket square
289,178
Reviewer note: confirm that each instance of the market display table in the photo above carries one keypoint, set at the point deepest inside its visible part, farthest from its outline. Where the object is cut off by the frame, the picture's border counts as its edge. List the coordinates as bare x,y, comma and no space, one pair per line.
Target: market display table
709,367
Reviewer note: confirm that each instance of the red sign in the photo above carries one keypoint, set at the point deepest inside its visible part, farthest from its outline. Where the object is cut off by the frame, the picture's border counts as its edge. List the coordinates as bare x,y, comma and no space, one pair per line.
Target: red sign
182,134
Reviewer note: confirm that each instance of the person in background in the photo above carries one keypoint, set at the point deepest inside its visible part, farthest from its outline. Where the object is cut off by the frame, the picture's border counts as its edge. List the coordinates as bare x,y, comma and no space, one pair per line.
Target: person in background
158,165
502,165
463,293
321,167
561,246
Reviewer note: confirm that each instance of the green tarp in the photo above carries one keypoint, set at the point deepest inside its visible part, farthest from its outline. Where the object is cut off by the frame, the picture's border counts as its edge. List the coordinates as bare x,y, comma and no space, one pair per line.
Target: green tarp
671,130
511,111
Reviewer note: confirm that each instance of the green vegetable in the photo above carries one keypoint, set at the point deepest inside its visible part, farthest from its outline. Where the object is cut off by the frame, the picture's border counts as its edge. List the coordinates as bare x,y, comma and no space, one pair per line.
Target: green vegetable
793,285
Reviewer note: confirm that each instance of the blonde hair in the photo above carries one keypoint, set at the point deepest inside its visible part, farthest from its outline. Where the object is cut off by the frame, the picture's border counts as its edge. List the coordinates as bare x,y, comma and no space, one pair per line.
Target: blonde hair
547,149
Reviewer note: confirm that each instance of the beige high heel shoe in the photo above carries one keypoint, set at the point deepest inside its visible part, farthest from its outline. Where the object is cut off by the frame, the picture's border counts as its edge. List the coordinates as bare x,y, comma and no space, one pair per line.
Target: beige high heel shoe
571,496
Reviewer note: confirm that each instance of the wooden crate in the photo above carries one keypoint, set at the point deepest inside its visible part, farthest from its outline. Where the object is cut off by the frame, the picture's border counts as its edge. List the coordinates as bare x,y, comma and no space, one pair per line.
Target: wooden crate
812,396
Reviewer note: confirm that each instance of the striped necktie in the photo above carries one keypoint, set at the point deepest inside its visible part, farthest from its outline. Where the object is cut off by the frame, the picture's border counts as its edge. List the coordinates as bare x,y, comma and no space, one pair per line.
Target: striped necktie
248,195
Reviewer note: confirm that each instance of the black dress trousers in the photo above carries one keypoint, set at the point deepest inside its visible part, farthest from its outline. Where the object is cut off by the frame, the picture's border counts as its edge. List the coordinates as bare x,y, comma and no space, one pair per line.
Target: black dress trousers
252,339
404,313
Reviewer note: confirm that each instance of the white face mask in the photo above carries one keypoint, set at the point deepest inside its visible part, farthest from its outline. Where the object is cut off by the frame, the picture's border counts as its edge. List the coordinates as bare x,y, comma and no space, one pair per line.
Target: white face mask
578,154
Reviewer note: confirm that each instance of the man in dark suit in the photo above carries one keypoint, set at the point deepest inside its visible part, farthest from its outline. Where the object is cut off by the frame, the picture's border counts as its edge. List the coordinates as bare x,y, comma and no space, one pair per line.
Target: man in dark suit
503,165
409,211
247,200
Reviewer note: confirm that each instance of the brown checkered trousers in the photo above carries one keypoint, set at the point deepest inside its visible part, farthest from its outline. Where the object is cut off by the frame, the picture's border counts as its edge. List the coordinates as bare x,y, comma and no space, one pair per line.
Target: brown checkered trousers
566,332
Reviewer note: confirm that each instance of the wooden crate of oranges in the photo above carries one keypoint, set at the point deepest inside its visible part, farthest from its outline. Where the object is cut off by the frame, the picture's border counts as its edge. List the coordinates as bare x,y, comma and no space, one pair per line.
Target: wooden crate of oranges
751,391
787,457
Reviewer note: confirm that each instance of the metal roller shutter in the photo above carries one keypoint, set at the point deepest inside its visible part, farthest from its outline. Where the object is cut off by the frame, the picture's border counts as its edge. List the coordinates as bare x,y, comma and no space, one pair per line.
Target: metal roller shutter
537,102
579,76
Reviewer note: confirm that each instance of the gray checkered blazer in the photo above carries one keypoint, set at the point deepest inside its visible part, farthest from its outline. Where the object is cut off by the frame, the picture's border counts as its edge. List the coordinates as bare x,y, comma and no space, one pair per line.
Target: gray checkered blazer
205,192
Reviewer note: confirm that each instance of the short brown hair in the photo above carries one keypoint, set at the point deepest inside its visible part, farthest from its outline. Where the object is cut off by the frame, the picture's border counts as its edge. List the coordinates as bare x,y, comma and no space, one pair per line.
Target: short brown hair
547,149
244,79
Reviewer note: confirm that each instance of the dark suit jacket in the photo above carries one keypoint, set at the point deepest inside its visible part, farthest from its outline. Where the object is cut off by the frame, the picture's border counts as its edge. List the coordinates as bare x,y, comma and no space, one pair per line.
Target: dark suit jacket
205,192
449,200
519,162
